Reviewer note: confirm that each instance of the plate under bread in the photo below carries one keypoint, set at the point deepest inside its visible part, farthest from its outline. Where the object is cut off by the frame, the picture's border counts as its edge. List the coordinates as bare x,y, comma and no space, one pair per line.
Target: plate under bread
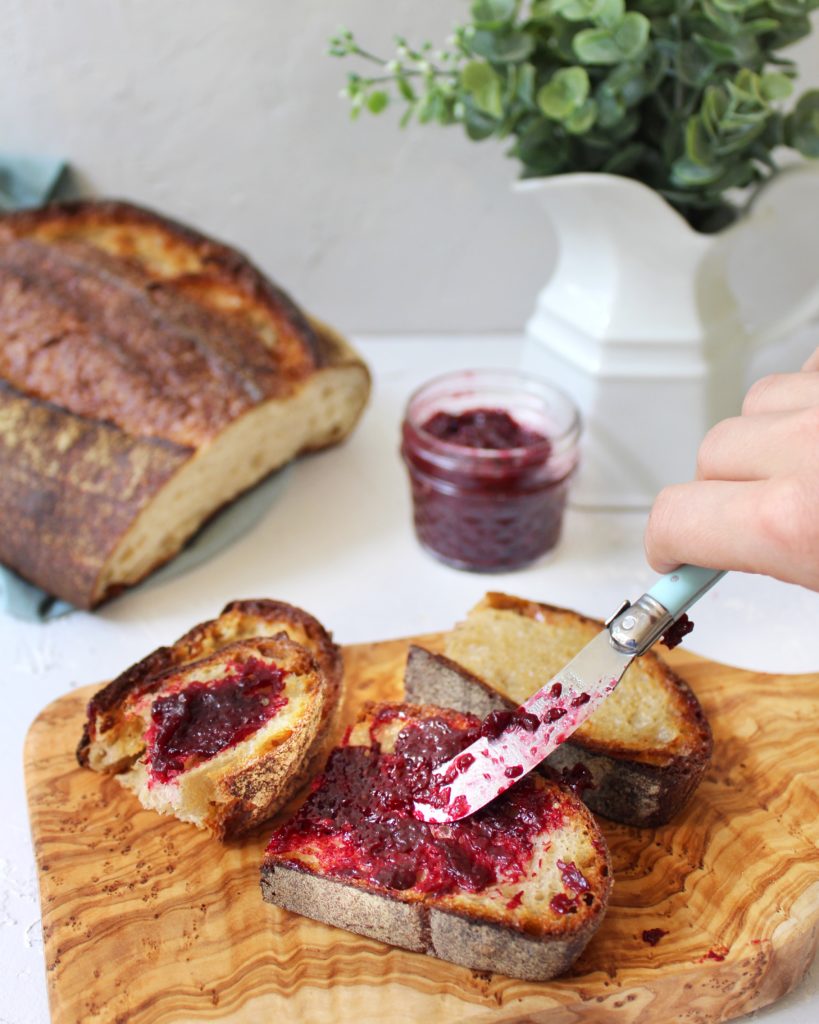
146,919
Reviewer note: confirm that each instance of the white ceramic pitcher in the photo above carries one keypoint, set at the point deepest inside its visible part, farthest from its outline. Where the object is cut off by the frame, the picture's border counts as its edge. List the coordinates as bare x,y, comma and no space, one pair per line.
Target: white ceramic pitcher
649,325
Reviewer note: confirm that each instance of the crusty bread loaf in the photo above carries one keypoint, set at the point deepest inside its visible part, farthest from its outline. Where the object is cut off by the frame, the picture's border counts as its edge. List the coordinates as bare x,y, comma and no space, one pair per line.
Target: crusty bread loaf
148,375
519,888
645,749
223,727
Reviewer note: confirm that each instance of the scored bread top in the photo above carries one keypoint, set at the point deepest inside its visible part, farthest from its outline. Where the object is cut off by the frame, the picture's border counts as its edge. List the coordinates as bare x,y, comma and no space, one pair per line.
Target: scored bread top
116,313
534,860
100,746
516,646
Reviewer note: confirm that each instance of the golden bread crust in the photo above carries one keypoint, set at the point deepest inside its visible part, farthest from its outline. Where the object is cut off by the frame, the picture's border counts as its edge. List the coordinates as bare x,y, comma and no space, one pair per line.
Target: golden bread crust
130,329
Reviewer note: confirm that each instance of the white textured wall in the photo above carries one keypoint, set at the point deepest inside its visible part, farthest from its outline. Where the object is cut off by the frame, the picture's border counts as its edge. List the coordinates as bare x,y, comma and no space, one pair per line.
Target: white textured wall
226,114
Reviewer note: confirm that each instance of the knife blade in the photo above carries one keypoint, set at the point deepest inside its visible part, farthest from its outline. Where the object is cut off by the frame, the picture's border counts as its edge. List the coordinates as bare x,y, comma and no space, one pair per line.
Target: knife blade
513,743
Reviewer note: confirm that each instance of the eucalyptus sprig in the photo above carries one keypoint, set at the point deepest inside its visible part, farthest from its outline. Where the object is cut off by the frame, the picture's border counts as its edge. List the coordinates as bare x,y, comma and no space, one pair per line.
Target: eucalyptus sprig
687,96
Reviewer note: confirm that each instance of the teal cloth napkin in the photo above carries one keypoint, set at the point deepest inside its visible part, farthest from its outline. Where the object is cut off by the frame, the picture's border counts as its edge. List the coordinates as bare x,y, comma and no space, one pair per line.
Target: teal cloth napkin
29,180
32,181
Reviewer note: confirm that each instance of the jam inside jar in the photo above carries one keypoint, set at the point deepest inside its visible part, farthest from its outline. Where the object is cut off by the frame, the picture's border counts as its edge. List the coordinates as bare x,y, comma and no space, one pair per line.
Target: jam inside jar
490,455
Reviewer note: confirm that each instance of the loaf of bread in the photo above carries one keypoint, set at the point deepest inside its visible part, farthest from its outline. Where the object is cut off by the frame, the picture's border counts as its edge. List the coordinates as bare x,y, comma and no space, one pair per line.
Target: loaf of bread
517,888
148,376
223,727
637,759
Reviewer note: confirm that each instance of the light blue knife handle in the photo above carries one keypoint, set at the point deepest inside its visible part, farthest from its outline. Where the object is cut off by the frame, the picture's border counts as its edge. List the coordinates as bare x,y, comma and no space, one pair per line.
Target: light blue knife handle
679,589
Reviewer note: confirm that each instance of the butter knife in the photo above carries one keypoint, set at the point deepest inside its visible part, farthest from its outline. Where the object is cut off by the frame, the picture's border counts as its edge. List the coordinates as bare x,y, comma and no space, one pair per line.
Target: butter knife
502,756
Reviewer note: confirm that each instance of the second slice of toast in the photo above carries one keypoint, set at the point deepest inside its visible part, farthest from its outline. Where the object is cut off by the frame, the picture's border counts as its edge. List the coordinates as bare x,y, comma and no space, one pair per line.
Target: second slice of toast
518,888
643,752
224,726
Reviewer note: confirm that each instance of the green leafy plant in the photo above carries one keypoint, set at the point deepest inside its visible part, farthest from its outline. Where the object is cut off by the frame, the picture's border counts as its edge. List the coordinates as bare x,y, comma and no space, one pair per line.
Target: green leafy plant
687,96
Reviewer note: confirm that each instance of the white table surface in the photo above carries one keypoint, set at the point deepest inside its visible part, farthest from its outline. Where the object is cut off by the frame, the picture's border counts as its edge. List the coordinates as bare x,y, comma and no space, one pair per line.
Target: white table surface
338,541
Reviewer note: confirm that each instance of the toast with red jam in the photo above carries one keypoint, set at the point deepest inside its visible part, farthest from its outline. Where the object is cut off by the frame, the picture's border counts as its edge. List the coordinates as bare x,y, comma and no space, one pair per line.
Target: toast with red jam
224,726
518,888
638,759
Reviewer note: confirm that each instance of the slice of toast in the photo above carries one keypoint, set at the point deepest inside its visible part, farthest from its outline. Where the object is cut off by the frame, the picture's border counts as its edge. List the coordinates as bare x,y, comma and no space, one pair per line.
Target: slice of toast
644,750
518,888
223,727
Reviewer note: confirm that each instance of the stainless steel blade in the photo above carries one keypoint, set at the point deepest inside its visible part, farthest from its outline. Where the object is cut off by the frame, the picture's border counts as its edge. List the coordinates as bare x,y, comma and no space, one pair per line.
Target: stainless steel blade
491,765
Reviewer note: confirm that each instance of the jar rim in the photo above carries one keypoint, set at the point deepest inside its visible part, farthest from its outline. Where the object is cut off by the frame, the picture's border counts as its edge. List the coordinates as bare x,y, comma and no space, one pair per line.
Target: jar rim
513,381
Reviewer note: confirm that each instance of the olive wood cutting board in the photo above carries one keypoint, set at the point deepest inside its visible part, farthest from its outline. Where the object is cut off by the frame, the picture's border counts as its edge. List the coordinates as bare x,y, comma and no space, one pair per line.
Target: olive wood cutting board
149,920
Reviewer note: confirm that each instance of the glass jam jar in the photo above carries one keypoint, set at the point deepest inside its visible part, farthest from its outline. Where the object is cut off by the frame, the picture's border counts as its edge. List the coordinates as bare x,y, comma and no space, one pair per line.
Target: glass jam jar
490,454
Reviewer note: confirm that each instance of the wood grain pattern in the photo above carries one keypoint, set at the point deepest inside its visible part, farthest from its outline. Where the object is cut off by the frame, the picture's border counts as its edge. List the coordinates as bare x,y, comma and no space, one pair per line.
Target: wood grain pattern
148,920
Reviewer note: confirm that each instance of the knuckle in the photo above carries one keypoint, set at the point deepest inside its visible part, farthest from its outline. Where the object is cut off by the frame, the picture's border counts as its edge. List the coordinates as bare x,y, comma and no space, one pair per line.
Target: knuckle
660,519
808,424
757,395
710,448
787,517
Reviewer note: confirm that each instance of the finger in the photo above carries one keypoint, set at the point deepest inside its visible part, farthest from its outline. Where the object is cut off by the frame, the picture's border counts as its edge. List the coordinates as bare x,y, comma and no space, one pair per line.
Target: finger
783,391
761,526
813,362
759,447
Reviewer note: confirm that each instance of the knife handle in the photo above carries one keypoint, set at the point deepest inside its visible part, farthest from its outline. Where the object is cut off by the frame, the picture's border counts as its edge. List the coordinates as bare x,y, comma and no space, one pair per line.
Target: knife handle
637,626
678,590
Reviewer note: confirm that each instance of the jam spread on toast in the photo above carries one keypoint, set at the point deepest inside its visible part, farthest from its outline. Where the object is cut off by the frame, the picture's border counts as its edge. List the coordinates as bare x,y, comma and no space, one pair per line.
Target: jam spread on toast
358,821
202,719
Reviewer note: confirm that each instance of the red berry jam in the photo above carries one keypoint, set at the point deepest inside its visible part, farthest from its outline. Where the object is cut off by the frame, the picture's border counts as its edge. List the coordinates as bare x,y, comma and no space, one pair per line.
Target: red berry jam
482,428
496,723
196,723
490,456
359,824
653,935
572,877
675,634
563,904
578,779
499,722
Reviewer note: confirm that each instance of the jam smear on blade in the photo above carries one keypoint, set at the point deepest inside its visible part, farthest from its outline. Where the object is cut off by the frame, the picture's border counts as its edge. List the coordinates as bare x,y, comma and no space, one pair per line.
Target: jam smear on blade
358,821
196,723
497,723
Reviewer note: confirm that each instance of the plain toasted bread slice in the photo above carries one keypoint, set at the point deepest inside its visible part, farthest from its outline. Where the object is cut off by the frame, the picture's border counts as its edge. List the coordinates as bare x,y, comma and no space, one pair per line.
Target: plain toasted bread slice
646,748
518,888
241,778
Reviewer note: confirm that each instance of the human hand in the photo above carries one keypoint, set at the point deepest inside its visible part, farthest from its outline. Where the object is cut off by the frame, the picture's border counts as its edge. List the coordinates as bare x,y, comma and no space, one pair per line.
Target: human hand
754,505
